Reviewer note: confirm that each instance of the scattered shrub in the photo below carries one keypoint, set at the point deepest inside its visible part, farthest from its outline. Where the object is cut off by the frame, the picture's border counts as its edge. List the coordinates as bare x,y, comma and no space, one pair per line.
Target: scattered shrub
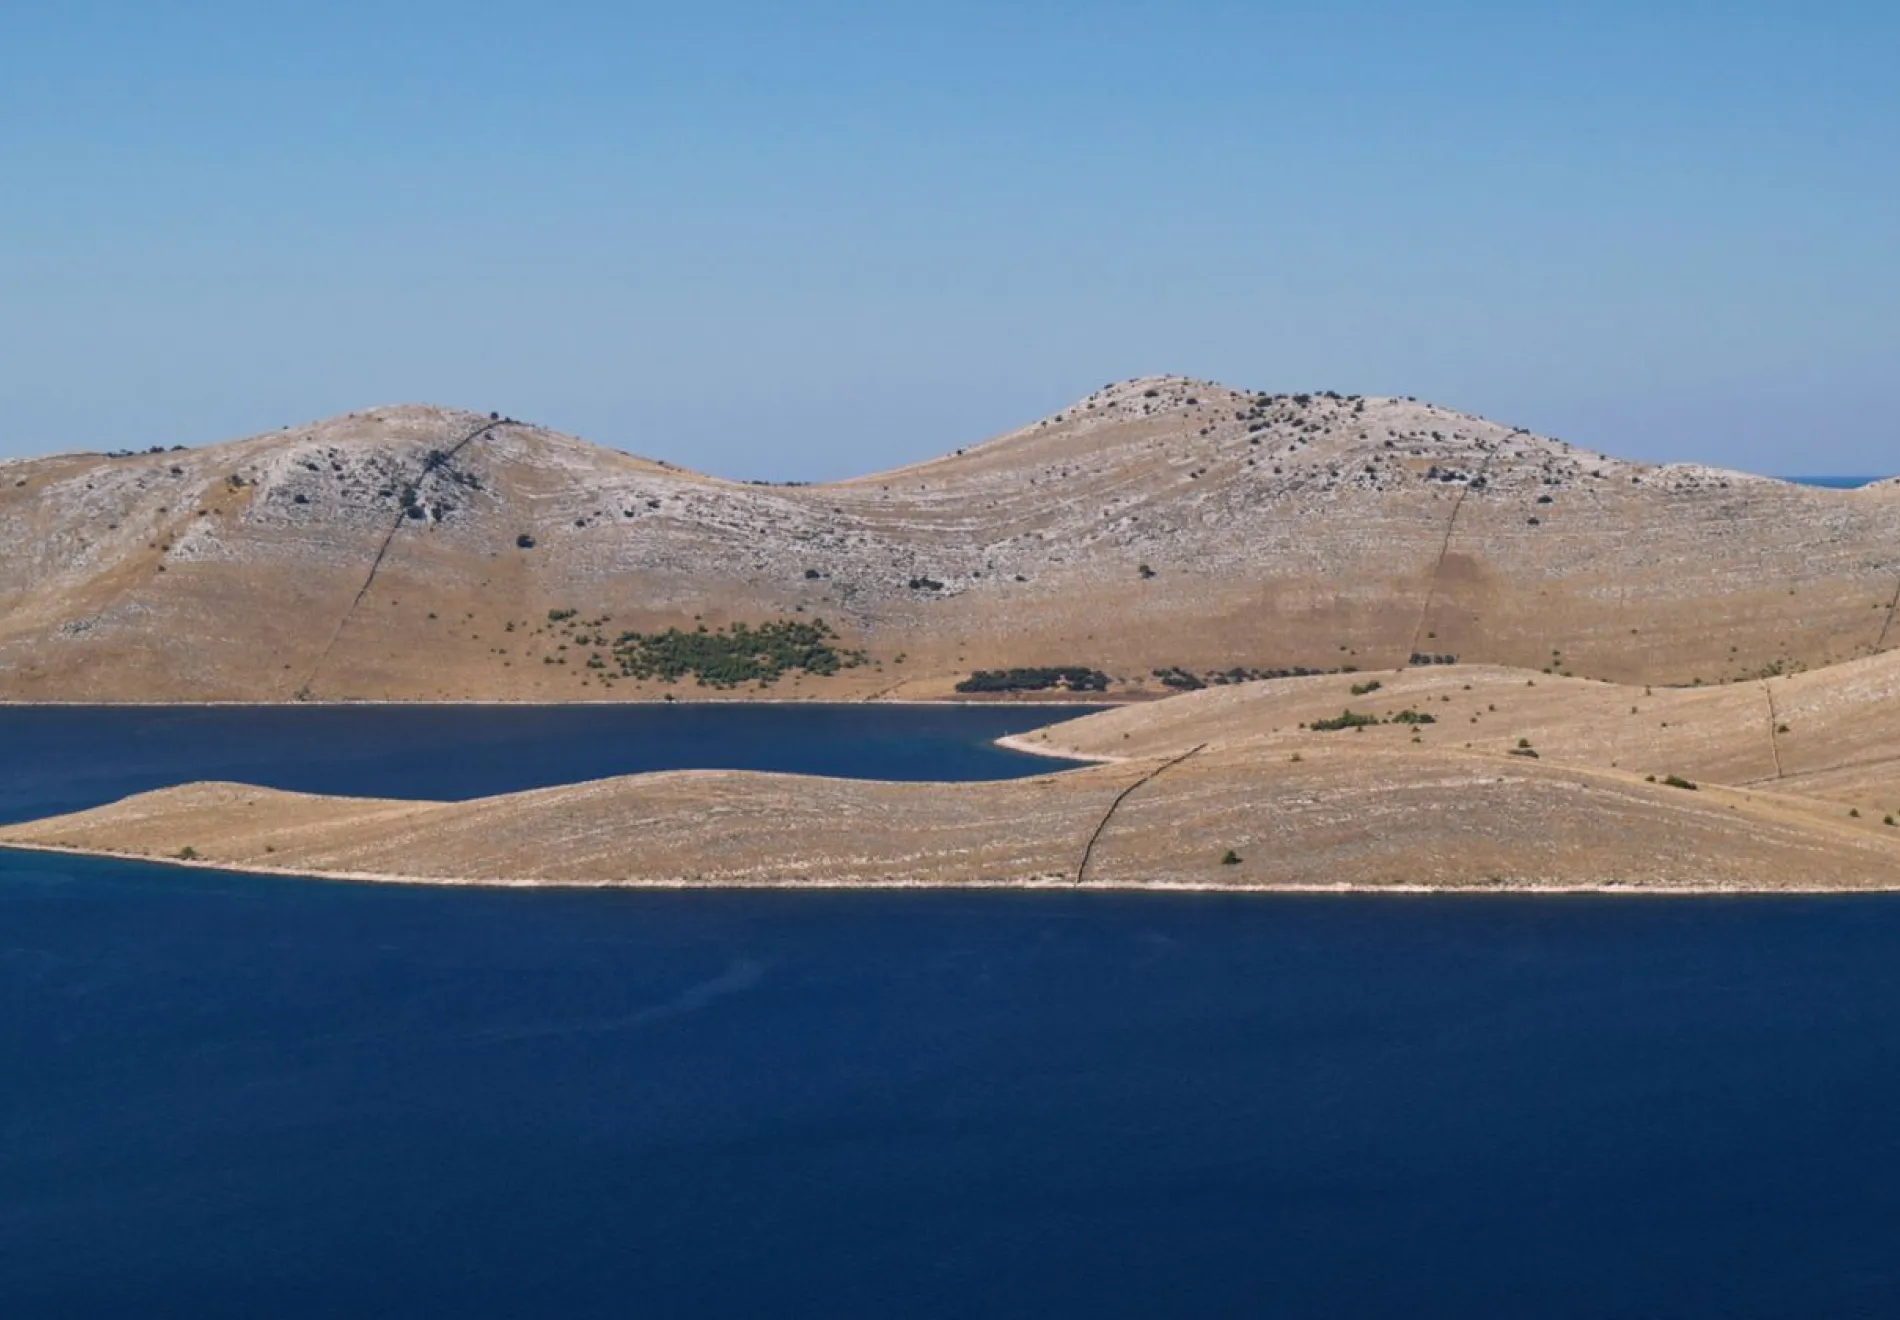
1346,719
731,656
1070,678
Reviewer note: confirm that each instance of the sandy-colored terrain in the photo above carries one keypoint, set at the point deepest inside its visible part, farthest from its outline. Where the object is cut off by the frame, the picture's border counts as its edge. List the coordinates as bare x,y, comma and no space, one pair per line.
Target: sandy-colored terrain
1451,804
1582,672
1159,523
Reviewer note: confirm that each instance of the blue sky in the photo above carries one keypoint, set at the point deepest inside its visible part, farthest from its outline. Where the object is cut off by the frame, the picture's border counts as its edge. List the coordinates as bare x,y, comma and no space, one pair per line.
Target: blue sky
808,240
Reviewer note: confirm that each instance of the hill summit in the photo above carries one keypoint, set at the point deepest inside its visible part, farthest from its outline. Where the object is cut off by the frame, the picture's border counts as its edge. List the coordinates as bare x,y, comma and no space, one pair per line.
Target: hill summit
1161,533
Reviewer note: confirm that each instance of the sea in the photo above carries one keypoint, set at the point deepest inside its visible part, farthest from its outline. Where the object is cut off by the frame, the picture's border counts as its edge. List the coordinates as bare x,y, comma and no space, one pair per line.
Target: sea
56,759
242,1096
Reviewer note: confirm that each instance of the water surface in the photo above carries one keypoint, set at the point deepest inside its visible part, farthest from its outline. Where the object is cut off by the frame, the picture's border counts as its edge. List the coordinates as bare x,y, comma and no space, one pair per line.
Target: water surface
57,759
236,1096
1835,483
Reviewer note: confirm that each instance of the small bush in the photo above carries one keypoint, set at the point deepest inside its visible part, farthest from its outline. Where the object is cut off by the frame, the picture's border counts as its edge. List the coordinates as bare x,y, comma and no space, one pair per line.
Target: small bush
1369,686
731,656
1072,678
1230,858
1677,781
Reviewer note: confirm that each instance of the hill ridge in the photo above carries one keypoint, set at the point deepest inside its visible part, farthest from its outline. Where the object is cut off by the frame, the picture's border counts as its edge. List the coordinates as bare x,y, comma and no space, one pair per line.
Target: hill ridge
1159,524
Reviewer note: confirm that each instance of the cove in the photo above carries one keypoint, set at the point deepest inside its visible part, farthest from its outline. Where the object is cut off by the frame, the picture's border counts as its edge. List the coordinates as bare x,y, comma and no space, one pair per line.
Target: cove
56,759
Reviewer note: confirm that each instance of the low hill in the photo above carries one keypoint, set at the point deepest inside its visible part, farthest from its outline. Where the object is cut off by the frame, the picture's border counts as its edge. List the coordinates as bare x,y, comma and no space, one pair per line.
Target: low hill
1441,778
1163,524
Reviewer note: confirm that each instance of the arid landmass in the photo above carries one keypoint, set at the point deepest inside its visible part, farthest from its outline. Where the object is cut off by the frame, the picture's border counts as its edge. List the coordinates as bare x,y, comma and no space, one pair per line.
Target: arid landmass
1473,777
416,553
1558,670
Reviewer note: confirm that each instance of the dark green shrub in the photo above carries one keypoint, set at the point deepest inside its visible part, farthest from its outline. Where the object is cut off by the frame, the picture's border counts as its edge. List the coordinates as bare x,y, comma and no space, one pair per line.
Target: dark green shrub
1071,678
731,656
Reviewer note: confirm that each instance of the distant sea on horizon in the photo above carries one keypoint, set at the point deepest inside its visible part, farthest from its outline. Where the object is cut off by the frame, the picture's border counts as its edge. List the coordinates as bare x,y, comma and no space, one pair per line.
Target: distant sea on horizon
1834,483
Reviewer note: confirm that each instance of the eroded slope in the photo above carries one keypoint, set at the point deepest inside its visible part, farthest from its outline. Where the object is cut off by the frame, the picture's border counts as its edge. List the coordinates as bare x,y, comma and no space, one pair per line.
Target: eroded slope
413,553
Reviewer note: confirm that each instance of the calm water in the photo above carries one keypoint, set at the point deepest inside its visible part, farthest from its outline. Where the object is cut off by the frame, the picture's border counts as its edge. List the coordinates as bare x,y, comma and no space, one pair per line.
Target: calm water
1836,483
250,1097
64,759
242,1096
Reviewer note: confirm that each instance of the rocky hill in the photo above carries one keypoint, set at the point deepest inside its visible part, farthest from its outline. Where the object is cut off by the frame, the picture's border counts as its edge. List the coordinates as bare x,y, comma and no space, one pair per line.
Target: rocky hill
1164,532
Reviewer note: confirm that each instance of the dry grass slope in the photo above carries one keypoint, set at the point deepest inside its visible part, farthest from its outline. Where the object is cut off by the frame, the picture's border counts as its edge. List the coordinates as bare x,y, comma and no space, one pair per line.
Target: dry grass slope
1158,523
1226,788
1666,678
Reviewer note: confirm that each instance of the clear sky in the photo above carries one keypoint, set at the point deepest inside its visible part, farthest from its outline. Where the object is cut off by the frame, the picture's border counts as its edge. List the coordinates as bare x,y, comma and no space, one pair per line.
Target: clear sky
808,239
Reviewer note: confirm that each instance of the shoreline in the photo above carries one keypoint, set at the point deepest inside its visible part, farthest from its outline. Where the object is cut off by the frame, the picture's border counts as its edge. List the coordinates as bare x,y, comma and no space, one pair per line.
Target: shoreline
351,702
1018,742
1340,888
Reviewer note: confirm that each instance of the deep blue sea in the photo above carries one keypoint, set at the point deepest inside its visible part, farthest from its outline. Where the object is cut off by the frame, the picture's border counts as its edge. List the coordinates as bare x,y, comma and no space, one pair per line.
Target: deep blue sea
1836,483
57,759
229,1096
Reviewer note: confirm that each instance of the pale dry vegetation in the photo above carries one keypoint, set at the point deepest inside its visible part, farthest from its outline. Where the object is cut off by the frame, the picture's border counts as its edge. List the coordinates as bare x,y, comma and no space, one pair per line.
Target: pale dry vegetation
1400,647
1160,528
